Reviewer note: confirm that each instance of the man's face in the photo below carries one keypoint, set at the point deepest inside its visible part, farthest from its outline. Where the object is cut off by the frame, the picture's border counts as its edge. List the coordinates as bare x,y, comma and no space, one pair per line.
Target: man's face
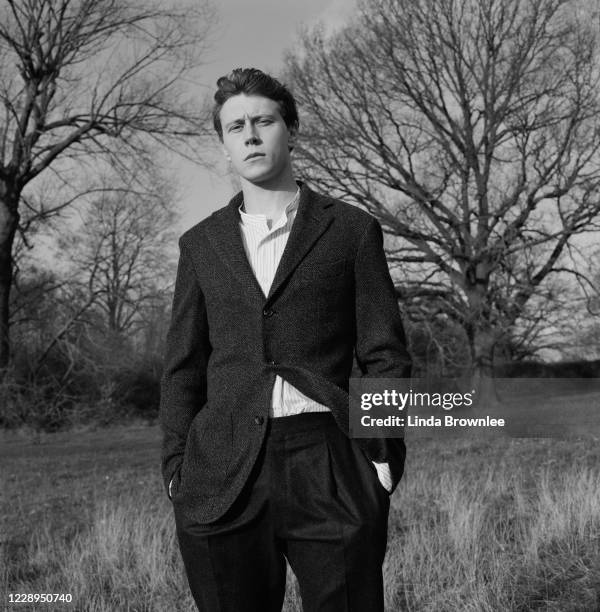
255,138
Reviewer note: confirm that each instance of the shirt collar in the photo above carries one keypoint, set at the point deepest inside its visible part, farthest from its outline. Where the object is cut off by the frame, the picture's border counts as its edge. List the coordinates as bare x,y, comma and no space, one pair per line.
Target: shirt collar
258,219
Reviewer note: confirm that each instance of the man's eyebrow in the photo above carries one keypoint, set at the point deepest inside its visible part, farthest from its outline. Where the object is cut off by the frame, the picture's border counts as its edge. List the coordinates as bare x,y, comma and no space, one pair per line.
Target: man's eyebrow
252,118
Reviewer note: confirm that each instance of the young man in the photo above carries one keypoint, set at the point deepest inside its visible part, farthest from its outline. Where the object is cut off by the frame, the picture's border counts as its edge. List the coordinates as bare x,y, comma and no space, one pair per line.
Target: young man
274,294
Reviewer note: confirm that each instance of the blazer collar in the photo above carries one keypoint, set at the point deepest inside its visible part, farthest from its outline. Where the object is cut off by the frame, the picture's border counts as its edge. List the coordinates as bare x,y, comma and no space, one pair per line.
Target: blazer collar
313,216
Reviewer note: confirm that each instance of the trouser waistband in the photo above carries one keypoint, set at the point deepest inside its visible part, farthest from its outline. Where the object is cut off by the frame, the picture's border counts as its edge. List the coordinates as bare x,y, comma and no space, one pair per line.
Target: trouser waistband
296,423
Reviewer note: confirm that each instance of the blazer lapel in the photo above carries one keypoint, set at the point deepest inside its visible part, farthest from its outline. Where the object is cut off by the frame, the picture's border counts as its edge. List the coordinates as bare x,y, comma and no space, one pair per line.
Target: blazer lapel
226,239
312,219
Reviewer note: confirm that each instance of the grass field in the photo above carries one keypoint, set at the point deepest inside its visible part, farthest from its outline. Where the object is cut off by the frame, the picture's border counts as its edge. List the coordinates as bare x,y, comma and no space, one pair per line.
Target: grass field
474,526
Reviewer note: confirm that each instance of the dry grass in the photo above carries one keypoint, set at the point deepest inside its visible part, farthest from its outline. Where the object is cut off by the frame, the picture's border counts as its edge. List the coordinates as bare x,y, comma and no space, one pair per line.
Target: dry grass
503,526
498,525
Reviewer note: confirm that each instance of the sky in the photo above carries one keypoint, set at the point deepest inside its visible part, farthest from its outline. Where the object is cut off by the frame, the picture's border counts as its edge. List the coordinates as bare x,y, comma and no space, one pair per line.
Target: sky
248,34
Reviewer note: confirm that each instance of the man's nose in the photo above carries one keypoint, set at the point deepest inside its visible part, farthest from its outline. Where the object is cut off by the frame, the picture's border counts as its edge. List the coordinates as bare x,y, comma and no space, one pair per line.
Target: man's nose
250,135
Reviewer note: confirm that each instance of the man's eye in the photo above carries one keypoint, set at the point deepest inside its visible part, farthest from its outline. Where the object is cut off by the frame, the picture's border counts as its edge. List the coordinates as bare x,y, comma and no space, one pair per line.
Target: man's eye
235,128
264,121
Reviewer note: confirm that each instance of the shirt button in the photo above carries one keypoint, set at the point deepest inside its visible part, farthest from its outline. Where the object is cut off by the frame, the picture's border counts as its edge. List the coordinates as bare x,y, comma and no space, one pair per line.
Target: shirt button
272,363
267,312
259,420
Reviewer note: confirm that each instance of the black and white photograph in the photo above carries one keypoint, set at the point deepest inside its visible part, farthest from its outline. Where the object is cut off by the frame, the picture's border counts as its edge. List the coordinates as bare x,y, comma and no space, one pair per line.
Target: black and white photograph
300,305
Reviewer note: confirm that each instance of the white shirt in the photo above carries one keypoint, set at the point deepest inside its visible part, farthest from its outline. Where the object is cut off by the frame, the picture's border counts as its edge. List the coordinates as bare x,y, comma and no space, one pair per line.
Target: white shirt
264,246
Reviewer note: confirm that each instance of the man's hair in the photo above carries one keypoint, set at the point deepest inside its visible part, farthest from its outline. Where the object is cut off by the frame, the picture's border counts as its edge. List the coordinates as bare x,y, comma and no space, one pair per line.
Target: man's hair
251,81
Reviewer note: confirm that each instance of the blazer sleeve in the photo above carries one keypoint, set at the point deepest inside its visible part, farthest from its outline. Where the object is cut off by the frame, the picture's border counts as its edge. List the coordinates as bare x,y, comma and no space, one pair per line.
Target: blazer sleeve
183,381
381,350
380,339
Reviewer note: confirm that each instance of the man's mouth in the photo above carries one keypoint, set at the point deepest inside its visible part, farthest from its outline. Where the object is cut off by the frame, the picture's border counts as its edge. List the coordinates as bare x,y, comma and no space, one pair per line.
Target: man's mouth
253,155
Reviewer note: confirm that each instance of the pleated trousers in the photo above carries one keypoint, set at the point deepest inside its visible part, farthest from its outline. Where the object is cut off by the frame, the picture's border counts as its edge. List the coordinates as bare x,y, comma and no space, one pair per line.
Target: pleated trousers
313,498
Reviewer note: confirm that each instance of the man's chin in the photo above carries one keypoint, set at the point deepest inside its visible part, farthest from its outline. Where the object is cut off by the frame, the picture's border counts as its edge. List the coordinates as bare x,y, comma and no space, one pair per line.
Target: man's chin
260,178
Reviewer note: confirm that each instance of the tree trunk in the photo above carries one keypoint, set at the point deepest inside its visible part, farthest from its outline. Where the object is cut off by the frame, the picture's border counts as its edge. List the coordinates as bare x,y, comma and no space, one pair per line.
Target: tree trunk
482,368
9,220
481,337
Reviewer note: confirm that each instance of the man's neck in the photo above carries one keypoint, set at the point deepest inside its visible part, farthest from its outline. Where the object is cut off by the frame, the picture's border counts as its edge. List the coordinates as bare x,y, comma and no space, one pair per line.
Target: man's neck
270,201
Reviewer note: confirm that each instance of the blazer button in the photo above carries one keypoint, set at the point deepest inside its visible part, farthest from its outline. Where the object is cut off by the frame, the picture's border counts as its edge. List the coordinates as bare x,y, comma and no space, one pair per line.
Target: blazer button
272,363
259,420
267,312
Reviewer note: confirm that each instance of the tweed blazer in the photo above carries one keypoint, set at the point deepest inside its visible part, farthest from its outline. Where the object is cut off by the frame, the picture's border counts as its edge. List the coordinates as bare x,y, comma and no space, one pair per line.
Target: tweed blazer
331,298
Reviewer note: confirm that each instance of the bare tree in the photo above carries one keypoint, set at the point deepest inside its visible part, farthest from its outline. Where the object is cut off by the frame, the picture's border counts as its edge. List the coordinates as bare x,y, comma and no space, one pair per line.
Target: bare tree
471,130
119,255
80,78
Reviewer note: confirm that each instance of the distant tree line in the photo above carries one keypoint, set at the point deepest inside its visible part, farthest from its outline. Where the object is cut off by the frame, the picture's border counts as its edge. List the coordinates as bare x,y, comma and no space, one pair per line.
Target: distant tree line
88,333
